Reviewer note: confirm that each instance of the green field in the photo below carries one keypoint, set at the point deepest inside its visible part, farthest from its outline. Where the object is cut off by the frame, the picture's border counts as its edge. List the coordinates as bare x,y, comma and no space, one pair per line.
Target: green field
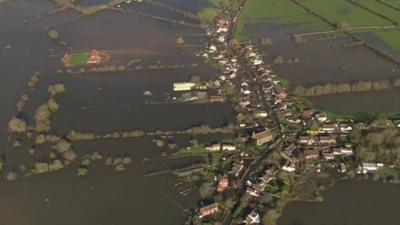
285,12
382,9
281,12
209,13
341,11
395,3
78,59
391,38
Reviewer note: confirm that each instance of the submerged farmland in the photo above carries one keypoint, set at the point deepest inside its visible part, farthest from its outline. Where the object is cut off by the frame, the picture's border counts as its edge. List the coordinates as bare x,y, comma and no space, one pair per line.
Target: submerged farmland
324,42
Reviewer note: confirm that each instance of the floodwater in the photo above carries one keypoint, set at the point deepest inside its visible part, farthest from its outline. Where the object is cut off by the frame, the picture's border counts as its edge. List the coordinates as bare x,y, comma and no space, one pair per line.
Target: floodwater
100,103
326,61
348,203
375,102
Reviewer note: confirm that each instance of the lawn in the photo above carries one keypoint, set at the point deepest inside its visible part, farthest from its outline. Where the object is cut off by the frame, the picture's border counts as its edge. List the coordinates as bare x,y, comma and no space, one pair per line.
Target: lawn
281,12
78,59
341,11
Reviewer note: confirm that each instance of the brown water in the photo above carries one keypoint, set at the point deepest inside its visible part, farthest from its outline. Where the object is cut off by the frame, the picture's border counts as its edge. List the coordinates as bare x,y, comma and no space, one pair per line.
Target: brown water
99,103
322,62
348,203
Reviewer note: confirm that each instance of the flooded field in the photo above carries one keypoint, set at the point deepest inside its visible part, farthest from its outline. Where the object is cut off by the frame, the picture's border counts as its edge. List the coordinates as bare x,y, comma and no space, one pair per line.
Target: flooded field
320,62
329,57
355,103
348,203
100,102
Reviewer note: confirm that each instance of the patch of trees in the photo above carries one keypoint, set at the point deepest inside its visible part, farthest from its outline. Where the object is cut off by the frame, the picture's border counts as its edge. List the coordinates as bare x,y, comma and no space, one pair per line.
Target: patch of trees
380,142
266,42
44,111
340,88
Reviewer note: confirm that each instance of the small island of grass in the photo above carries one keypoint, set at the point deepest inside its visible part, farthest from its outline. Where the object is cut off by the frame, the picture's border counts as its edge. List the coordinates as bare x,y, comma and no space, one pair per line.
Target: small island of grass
93,57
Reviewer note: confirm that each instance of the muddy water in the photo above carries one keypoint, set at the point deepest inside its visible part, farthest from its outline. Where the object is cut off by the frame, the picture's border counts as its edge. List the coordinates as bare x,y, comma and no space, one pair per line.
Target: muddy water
348,203
375,102
110,101
190,5
323,62
103,197
120,104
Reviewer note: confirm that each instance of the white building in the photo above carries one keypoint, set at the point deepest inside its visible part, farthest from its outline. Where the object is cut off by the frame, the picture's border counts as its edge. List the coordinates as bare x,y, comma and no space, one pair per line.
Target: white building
184,86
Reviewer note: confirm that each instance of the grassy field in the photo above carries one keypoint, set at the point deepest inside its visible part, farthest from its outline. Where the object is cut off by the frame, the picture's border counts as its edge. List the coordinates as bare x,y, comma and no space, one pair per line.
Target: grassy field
78,59
281,12
382,9
341,11
395,3
209,13
391,38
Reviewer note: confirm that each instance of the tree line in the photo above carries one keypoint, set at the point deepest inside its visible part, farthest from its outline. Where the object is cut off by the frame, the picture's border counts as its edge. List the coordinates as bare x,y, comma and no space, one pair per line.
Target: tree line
340,88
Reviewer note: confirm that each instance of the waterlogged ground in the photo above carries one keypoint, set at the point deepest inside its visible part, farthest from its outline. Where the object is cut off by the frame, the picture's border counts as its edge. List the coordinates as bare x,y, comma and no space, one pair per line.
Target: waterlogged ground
348,203
100,103
323,61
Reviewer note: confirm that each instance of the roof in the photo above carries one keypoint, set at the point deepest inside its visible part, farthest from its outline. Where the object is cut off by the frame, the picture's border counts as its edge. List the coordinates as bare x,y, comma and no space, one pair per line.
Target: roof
262,135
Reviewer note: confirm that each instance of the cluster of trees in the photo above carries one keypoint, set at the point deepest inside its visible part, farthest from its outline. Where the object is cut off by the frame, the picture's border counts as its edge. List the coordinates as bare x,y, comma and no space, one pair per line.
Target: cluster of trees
360,86
17,125
24,99
380,142
44,112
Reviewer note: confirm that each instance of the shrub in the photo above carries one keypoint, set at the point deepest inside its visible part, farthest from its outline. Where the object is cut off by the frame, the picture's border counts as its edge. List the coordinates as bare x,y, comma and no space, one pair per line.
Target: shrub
53,34
17,125
56,89
180,41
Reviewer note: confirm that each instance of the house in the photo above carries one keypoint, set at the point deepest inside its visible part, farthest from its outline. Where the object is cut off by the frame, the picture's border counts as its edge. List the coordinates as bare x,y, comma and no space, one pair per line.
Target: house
262,137
209,211
260,114
343,151
223,184
322,117
328,155
253,192
228,147
194,95
253,218
94,57
345,128
307,114
237,169
311,154
212,49
184,86
329,128
216,99
368,167
289,167
268,177
307,140
328,140
213,147
281,93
